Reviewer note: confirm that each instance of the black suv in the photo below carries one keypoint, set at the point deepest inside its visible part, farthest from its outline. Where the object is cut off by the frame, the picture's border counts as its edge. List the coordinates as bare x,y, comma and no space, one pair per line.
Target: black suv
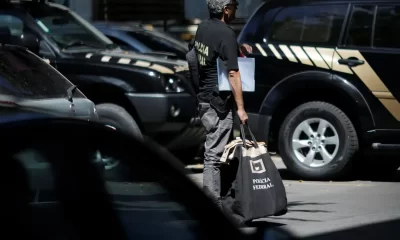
323,89
136,92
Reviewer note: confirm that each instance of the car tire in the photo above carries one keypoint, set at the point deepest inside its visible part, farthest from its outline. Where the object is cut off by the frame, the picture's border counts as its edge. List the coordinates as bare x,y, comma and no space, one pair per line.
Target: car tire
333,149
117,117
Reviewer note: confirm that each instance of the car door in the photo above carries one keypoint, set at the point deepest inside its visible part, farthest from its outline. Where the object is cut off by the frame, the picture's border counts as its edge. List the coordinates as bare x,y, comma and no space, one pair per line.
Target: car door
153,200
295,39
370,50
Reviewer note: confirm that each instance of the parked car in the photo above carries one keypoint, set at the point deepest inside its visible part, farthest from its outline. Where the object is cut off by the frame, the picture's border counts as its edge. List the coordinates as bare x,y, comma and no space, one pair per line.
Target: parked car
138,93
143,40
57,196
326,83
28,82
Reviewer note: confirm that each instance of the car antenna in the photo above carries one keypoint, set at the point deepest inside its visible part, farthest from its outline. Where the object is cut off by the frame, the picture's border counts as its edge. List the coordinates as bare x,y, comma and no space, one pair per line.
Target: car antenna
71,92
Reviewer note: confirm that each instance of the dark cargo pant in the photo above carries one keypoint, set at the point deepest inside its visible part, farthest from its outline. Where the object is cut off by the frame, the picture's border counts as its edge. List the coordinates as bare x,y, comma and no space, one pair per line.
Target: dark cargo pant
219,130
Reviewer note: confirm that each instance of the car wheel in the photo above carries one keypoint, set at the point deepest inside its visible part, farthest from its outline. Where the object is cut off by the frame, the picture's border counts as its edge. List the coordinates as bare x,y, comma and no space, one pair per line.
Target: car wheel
117,117
318,141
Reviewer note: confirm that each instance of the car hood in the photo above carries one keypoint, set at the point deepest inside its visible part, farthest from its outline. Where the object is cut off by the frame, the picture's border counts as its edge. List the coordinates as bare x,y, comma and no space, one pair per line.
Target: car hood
157,63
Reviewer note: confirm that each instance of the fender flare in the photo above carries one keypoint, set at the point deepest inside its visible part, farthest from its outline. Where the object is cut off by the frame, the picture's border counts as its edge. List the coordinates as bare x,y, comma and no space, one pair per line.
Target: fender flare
284,88
88,83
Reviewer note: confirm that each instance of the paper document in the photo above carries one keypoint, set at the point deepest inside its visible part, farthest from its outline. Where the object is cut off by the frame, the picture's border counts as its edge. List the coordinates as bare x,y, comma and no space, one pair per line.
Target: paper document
246,68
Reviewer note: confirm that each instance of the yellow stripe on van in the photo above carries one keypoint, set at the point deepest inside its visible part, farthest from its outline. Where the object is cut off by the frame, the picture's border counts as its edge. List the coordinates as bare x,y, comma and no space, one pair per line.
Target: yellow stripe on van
274,51
301,55
262,51
373,82
316,57
288,53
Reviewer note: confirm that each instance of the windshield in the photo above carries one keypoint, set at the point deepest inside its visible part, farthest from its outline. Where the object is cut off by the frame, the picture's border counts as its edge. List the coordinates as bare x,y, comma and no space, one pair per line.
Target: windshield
24,75
160,42
67,29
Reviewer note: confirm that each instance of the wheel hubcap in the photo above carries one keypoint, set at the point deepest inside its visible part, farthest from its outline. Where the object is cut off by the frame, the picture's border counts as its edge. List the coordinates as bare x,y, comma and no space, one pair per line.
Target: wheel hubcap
109,162
315,142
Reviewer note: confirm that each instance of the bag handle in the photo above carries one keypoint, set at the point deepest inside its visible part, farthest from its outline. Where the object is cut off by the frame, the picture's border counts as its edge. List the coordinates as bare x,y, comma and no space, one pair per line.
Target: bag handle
242,133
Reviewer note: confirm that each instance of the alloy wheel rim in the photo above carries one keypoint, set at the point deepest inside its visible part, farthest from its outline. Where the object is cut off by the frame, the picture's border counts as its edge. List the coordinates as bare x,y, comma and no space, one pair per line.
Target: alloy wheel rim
315,142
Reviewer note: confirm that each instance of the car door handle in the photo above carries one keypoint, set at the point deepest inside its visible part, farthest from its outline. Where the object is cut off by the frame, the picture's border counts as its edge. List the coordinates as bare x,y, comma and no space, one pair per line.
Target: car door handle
351,61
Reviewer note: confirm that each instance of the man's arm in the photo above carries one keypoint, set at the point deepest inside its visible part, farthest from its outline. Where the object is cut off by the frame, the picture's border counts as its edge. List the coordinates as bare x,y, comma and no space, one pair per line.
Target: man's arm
229,50
236,86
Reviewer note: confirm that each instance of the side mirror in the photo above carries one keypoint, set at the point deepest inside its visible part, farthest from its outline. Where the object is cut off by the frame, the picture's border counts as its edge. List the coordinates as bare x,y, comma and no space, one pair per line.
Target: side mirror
29,41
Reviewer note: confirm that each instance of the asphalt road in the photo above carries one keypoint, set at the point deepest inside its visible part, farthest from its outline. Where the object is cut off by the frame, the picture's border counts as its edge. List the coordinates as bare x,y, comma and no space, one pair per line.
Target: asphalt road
322,207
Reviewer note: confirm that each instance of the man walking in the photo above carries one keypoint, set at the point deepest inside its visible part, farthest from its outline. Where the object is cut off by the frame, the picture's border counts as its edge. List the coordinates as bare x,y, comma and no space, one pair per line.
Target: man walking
215,39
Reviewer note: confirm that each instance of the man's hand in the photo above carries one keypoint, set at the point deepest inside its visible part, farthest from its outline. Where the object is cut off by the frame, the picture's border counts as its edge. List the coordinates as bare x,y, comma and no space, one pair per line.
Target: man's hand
242,116
245,48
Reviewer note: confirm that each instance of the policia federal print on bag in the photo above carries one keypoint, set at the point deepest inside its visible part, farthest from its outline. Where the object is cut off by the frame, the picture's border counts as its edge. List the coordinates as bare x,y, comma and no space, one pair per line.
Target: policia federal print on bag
256,188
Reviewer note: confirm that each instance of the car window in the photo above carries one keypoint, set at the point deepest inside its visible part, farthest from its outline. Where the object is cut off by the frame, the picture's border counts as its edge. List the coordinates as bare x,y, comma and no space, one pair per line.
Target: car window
387,27
14,24
360,27
144,207
23,74
257,28
65,28
309,24
123,45
157,43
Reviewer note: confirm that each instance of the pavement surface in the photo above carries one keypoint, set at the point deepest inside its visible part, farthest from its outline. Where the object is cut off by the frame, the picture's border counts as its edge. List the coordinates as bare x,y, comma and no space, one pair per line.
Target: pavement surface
323,207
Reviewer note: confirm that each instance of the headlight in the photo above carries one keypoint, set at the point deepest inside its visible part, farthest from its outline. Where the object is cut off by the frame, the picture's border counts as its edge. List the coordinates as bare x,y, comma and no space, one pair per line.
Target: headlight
173,84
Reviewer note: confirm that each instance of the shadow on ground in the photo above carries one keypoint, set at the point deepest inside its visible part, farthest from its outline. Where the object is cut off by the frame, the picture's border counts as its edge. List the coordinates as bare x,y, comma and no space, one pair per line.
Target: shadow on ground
296,206
395,177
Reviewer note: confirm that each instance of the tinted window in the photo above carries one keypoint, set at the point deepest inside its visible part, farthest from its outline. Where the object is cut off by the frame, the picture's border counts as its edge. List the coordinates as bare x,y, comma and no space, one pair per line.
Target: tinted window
309,24
387,27
159,43
360,28
23,74
65,27
257,28
121,44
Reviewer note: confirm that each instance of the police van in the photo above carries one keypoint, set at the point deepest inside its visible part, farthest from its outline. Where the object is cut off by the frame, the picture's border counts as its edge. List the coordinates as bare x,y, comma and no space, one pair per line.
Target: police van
327,83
